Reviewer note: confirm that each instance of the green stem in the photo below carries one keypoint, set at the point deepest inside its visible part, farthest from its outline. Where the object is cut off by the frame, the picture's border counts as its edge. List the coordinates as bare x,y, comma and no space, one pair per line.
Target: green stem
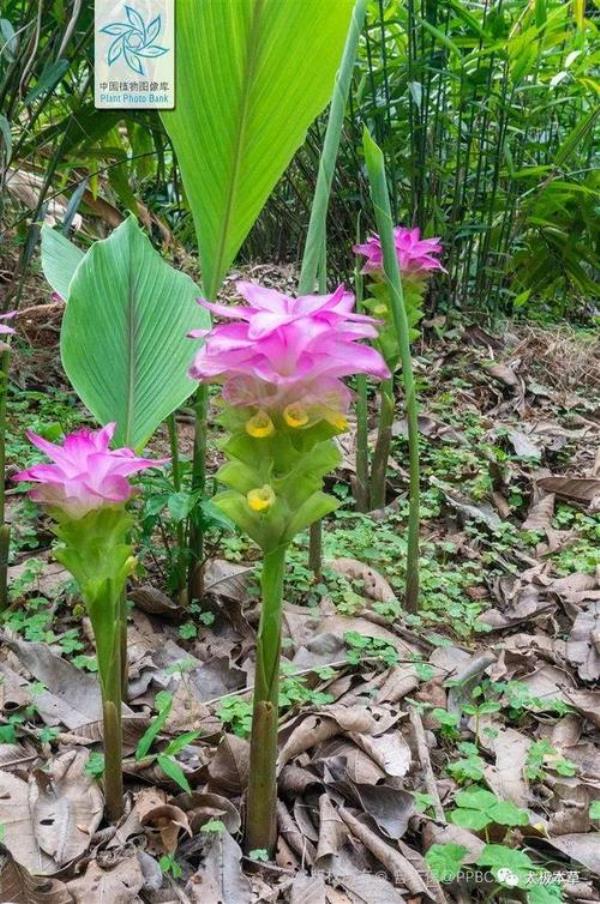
180,576
381,453
4,528
361,490
124,657
113,753
315,548
196,535
381,203
262,786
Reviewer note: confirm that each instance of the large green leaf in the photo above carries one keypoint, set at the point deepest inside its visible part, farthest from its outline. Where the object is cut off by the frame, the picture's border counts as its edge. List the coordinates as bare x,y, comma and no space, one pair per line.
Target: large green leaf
251,77
123,341
60,259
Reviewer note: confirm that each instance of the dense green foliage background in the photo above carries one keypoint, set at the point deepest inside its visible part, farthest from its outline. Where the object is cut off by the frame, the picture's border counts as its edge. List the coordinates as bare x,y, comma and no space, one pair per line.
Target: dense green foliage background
487,113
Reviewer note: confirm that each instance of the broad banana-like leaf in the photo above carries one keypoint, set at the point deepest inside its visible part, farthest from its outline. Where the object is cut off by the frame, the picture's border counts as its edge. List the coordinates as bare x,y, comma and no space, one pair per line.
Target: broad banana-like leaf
123,341
251,77
60,259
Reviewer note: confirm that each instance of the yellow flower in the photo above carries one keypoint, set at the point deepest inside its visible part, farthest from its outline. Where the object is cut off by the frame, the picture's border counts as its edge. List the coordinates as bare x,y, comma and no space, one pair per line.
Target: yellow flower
337,419
261,499
260,425
380,310
295,415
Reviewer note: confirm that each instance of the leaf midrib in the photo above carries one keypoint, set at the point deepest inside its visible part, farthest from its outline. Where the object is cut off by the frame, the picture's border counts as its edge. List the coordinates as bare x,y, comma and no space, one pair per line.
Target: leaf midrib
247,82
131,354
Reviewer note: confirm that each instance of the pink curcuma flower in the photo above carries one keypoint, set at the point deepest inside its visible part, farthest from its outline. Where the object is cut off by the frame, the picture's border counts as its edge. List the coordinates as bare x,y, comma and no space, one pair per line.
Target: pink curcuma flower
86,474
278,351
4,328
416,256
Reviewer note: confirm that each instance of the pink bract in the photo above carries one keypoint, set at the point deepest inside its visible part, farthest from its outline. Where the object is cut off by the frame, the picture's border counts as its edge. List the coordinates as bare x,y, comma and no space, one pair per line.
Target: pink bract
279,350
4,329
86,474
415,255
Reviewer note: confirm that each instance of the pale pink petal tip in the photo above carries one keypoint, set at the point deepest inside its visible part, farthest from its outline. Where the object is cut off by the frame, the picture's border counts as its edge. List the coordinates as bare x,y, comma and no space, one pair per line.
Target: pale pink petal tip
85,473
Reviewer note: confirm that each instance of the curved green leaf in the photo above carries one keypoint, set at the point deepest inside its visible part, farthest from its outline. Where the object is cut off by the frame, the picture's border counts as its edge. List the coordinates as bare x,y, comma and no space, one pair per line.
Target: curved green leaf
251,77
123,340
60,259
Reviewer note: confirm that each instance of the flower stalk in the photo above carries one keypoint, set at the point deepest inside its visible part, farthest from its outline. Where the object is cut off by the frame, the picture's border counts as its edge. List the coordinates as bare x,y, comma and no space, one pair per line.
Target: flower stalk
280,361
391,271
262,786
85,491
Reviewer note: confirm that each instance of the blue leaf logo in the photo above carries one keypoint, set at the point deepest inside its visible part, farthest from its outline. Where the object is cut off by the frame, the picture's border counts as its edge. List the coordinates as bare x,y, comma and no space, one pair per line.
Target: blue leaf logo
134,40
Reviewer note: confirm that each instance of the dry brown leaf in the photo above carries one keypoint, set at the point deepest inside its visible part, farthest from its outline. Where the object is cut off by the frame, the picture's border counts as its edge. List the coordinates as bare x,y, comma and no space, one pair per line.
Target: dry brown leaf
572,801
582,847
332,832
66,806
433,833
369,889
395,863
587,702
228,770
19,835
432,428
73,696
540,515
307,889
583,646
359,766
503,373
166,822
216,678
374,584
153,601
200,806
18,886
118,885
390,751
314,728
523,445
467,509
220,878
585,490
507,777
227,579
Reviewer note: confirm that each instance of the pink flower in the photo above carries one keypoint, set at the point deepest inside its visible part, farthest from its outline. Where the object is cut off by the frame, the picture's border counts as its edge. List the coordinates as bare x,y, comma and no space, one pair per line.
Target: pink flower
4,329
415,255
277,351
86,474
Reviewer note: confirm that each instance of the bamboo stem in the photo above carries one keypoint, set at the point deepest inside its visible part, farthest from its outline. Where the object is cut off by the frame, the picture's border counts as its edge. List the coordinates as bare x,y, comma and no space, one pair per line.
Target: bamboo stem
262,786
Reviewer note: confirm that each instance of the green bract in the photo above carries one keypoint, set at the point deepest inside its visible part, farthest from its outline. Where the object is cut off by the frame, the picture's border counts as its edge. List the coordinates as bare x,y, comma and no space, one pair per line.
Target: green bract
292,462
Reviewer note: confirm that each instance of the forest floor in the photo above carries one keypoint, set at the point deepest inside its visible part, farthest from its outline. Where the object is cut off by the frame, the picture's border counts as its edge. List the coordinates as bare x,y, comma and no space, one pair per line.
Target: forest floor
452,755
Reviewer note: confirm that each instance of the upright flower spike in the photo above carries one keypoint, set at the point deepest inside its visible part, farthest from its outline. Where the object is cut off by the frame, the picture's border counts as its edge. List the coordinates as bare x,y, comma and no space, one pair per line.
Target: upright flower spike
281,362
417,259
85,491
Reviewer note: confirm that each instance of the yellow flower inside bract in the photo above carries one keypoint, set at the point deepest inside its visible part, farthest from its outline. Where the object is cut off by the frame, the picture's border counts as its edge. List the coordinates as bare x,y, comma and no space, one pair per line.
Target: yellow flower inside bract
261,499
380,310
260,425
295,415
337,420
